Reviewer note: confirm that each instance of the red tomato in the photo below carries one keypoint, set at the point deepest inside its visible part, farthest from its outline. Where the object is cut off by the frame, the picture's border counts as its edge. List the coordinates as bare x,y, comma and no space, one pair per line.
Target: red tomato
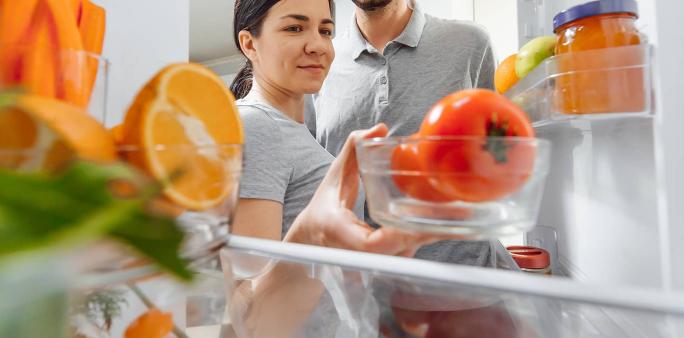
477,170
416,184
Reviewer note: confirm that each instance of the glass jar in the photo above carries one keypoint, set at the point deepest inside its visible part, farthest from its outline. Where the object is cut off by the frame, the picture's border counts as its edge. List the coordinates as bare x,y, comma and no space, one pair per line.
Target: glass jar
604,81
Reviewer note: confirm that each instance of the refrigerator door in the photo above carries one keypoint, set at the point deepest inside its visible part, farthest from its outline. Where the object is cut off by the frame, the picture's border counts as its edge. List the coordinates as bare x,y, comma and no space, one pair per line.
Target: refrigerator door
601,196
279,289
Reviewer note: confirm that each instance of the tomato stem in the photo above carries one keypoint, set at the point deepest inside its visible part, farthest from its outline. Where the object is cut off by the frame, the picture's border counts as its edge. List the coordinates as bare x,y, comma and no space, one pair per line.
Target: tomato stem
497,146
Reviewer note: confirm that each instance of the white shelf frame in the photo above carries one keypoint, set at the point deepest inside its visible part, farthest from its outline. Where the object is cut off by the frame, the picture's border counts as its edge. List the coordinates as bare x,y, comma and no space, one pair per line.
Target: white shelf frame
669,83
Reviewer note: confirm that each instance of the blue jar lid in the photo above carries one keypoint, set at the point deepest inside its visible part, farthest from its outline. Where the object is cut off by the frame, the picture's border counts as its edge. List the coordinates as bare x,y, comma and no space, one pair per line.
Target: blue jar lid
594,8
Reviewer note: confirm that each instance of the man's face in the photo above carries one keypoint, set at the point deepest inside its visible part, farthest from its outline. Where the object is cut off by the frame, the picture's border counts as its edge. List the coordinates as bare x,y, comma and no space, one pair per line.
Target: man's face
371,5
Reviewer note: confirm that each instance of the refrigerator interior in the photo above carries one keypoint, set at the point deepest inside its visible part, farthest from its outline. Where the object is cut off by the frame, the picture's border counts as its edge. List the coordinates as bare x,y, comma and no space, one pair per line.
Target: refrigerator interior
353,294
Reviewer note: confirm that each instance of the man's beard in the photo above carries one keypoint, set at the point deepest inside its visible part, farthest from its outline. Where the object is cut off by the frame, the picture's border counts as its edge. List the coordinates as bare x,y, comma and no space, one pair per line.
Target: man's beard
371,5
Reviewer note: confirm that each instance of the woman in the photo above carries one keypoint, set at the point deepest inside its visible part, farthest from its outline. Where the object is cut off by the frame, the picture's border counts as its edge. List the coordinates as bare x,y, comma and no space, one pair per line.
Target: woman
288,45
291,188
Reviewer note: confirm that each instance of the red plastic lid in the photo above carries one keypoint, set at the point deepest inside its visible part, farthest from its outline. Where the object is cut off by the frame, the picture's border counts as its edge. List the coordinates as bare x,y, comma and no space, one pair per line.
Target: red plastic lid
529,257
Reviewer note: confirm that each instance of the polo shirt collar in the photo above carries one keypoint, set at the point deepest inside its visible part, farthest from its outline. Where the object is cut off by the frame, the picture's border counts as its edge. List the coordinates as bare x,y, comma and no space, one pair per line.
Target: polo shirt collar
409,37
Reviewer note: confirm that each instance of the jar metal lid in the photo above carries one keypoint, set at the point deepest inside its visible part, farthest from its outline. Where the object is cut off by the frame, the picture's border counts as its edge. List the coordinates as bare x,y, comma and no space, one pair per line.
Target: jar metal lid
594,8
529,257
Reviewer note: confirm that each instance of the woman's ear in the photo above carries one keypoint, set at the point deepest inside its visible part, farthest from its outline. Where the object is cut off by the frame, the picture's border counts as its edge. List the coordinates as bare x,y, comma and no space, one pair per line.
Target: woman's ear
247,44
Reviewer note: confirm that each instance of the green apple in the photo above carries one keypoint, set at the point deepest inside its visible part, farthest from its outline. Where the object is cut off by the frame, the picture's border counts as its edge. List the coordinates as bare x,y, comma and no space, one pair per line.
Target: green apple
533,53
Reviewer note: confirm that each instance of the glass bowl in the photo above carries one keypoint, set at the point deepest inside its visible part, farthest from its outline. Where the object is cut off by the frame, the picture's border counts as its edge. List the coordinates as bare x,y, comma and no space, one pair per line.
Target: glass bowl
77,77
471,187
34,293
209,172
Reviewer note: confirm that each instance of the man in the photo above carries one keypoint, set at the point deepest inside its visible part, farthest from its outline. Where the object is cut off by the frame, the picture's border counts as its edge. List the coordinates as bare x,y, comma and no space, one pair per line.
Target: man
391,66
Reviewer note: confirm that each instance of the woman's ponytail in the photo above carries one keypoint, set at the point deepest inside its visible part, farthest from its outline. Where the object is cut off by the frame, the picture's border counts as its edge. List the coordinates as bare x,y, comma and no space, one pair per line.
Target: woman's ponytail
242,83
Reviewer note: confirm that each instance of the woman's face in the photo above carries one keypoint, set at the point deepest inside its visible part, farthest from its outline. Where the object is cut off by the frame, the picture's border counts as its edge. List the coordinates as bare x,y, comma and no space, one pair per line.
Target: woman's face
294,50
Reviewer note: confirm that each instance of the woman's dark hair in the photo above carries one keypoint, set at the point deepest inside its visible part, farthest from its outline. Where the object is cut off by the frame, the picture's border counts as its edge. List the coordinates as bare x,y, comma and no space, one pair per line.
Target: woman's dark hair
249,15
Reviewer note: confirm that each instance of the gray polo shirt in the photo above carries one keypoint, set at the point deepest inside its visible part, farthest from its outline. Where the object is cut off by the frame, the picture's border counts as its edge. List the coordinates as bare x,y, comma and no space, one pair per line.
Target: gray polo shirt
431,58
282,162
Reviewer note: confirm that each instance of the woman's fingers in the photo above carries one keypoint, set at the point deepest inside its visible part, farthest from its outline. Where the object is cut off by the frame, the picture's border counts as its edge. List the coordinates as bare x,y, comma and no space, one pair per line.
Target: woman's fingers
347,164
387,241
347,231
349,148
392,241
347,156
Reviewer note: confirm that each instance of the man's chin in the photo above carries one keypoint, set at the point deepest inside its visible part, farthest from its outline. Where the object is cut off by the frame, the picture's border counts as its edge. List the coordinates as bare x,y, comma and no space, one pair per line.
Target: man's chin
312,87
371,5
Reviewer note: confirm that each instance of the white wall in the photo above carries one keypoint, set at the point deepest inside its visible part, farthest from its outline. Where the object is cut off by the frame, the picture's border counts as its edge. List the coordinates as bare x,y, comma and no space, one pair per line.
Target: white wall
454,9
343,12
647,19
211,30
500,18
142,37
228,78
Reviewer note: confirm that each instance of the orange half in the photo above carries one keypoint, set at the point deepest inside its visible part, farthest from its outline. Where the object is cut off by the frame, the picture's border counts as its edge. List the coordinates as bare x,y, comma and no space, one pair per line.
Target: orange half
39,133
183,127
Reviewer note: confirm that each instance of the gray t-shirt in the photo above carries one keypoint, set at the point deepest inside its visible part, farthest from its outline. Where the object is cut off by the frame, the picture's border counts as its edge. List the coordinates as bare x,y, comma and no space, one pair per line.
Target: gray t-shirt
431,58
282,161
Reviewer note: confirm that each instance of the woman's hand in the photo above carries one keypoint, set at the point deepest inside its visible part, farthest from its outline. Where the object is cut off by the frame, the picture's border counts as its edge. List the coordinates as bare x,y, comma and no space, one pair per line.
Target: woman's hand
328,220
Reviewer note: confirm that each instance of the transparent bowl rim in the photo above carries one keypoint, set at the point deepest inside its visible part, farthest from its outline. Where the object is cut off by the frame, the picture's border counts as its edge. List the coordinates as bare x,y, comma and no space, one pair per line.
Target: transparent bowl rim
129,148
89,54
396,140
384,144
165,147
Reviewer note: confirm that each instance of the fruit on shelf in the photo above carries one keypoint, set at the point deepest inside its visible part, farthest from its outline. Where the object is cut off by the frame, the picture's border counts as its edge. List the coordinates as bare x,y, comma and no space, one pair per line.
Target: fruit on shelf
58,131
533,53
187,109
505,76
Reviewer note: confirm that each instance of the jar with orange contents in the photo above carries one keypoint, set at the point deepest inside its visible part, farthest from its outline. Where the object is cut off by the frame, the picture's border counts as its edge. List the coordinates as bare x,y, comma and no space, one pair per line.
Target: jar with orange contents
598,74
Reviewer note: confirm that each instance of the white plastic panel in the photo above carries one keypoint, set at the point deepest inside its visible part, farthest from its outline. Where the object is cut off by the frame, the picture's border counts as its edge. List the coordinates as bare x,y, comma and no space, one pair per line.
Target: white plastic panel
601,198
601,193
142,37
498,17
670,119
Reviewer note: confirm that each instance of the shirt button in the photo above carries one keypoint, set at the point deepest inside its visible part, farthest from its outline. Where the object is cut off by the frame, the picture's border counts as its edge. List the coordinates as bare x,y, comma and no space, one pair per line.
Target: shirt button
383,80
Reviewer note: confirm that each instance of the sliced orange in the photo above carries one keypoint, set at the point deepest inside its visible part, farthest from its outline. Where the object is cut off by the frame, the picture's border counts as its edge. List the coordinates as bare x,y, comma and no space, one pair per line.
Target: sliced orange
151,324
182,128
117,133
39,133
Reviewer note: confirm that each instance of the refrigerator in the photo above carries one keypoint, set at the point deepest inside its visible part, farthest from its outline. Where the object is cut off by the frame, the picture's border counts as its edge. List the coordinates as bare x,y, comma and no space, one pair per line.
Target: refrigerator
611,216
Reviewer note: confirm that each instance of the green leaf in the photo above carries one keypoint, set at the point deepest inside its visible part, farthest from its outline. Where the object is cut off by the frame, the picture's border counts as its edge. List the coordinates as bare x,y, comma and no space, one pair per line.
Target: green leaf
157,238
39,211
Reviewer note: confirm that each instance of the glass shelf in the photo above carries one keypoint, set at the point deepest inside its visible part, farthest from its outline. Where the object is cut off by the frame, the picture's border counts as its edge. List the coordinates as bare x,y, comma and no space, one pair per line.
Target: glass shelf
611,83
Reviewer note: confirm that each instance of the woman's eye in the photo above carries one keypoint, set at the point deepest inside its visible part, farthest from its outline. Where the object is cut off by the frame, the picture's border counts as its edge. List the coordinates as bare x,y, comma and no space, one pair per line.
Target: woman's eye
294,29
326,32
